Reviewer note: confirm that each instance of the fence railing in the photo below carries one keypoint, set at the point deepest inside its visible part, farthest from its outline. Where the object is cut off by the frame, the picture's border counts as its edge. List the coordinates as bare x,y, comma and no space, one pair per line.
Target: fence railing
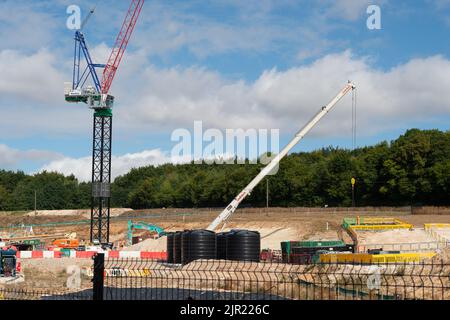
231,280
403,247
43,294
138,279
434,229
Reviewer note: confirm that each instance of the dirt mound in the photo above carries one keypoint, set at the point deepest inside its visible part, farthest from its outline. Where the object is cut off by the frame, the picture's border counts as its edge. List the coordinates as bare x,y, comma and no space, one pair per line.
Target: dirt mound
44,274
443,256
85,213
394,236
152,245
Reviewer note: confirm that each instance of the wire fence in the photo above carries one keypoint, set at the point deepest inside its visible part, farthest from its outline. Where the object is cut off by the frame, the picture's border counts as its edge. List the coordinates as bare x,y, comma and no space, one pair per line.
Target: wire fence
43,294
403,247
138,279
230,280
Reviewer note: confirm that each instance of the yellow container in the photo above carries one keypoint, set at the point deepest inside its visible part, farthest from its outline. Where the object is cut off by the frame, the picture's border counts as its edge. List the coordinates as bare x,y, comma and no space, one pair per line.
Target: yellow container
375,258
346,258
382,227
436,225
402,257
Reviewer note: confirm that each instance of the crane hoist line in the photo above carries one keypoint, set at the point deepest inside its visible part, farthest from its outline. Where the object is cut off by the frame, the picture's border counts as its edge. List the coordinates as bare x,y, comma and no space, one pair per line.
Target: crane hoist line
231,208
97,96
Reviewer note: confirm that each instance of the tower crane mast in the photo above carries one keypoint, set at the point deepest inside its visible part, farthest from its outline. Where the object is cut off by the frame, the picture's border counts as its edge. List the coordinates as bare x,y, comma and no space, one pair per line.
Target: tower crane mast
99,99
231,208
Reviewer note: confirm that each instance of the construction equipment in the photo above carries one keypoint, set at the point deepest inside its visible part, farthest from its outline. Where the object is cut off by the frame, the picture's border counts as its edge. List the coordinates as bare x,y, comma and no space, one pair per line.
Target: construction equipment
66,243
8,262
69,241
143,226
364,258
306,252
228,211
98,98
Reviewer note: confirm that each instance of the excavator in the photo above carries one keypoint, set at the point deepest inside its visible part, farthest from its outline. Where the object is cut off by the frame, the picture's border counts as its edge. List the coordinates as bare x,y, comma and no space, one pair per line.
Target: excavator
231,208
69,241
143,226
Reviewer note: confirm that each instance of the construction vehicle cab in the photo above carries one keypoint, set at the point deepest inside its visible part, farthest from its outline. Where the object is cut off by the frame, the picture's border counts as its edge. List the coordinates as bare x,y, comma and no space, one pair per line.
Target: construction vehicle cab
8,262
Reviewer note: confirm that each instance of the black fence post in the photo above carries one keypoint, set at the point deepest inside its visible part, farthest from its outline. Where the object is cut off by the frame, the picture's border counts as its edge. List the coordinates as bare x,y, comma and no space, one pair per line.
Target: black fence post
98,279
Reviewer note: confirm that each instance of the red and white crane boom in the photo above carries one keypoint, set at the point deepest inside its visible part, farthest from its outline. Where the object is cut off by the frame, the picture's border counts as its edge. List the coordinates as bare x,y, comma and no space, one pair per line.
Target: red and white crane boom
120,46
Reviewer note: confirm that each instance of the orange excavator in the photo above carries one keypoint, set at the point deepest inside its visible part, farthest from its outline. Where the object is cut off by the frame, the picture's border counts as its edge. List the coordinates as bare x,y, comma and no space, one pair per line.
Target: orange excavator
66,243
69,242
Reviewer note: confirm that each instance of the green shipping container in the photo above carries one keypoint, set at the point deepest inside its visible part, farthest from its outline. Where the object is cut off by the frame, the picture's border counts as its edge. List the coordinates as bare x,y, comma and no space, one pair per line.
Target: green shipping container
314,244
286,246
34,242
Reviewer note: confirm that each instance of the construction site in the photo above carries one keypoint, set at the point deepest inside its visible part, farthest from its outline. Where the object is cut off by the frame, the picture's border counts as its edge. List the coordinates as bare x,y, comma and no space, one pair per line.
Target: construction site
139,238
230,253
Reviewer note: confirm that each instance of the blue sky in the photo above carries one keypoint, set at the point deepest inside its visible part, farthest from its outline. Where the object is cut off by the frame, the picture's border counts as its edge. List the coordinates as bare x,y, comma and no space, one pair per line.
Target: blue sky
231,64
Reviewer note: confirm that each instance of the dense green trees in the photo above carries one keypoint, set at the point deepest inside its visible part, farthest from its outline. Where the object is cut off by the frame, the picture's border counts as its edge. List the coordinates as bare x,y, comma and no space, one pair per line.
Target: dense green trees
412,170
53,191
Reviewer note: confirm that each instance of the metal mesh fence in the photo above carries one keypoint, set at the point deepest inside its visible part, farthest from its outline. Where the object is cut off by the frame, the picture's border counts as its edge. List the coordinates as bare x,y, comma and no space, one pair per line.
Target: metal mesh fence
229,280
138,279
33,294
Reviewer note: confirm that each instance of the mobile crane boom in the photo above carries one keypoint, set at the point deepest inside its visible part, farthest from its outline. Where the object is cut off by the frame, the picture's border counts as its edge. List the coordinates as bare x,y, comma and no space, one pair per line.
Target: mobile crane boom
228,211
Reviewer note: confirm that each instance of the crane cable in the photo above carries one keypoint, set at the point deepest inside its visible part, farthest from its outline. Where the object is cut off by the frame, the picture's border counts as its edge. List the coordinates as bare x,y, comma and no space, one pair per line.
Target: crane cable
354,123
91,12
354,119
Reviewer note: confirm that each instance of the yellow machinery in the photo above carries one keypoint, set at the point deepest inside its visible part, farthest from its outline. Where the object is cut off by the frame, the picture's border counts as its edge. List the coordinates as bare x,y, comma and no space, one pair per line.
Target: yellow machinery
375,224
433,230
375,258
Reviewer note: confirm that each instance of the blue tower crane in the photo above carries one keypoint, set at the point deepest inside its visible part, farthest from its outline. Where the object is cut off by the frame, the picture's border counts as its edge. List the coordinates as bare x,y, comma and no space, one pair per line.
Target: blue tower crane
97,97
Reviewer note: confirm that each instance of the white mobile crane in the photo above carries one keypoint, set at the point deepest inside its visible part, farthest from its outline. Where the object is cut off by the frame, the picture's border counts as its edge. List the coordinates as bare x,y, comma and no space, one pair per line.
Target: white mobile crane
228,211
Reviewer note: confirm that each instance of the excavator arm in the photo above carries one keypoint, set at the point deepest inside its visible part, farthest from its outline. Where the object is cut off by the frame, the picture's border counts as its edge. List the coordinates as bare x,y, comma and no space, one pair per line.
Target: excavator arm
143,226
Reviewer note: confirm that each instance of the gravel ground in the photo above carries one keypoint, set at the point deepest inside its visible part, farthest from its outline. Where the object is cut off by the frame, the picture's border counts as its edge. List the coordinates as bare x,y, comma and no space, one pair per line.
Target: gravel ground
394,236
152,245
50,273
443,232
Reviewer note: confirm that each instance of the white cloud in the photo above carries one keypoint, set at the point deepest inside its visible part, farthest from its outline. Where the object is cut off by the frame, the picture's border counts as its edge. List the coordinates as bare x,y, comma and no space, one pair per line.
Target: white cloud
32,97
440,4
80,167
10,157
348,9
242,26
392,99
152,100
31,76
122,164
26,25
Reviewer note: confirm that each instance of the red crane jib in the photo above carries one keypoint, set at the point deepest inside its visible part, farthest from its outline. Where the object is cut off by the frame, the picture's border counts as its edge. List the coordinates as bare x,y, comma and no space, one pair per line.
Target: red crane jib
121,44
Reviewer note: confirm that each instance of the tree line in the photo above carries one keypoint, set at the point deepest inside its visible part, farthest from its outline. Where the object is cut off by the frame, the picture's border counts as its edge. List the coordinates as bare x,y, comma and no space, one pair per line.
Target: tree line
411,170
